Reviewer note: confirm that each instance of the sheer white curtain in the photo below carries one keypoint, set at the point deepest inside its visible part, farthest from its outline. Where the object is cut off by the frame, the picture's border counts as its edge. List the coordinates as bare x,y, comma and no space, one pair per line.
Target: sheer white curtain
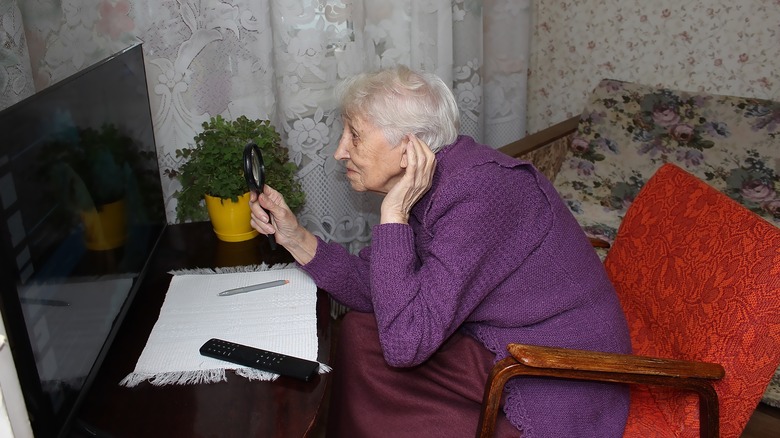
280,59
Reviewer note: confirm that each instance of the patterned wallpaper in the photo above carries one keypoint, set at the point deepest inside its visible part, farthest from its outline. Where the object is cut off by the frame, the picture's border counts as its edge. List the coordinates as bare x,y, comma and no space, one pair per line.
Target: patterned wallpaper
720,46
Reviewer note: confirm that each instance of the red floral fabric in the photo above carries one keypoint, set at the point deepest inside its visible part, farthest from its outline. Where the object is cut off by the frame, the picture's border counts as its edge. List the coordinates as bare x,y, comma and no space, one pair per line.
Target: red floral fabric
698,276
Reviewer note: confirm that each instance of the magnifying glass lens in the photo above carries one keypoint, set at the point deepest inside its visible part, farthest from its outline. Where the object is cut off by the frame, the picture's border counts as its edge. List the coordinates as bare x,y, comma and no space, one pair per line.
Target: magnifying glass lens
254,174
254,169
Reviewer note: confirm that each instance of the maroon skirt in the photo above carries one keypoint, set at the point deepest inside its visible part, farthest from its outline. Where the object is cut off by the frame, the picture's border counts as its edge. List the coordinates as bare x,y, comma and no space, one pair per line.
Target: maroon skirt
440,398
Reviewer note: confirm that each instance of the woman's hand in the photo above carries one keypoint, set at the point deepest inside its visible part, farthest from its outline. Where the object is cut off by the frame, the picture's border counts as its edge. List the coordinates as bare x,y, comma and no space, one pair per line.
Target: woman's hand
271,215
420,163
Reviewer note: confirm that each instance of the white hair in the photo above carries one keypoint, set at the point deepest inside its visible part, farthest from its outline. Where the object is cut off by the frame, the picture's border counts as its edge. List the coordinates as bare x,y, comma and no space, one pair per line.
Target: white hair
402,101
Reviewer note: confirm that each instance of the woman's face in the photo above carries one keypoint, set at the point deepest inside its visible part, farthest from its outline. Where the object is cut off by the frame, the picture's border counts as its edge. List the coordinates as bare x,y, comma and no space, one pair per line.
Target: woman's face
372,163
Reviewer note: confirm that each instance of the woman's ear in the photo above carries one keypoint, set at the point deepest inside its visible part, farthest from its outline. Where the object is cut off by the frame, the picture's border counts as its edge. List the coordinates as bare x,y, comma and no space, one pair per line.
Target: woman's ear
404,159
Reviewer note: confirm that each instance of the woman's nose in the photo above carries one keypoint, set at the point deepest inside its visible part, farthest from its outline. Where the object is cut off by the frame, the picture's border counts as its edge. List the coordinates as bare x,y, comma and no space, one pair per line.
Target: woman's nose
341,150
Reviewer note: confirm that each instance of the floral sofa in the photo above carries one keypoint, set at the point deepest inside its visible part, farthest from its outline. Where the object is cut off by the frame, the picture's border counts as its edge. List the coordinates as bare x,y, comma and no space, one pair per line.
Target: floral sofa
600,160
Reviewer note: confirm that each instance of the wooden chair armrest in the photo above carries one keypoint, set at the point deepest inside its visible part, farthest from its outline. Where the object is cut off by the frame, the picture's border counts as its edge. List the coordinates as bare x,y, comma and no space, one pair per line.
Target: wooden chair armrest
530,360
581,360
540,139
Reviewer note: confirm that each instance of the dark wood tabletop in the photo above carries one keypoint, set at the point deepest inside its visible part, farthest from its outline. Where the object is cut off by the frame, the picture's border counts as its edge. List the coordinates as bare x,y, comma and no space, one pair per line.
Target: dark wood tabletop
236,408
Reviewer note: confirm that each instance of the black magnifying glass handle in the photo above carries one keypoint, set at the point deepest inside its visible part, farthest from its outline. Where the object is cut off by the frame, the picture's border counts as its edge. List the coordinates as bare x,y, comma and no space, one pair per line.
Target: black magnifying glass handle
254,173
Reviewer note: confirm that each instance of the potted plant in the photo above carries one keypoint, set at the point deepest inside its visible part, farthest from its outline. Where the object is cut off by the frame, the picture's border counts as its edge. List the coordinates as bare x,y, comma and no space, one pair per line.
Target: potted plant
212,174
92,169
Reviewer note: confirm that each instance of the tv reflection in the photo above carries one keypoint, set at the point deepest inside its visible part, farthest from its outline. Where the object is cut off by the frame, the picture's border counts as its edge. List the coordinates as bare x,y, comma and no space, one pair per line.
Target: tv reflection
68,322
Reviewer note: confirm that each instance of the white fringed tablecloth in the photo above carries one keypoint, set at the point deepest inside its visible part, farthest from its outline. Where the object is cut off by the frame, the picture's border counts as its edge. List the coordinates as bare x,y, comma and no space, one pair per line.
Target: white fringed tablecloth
281,319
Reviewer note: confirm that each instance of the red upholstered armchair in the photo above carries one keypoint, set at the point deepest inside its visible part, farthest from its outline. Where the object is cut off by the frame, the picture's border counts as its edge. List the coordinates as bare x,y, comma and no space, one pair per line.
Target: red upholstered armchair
698,276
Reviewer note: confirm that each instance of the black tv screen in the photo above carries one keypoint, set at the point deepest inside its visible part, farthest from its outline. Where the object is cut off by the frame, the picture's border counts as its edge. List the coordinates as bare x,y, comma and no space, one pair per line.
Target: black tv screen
82,210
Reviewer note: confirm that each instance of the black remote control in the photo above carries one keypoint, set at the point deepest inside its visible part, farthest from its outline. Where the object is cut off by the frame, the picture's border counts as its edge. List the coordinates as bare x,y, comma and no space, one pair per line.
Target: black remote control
264,360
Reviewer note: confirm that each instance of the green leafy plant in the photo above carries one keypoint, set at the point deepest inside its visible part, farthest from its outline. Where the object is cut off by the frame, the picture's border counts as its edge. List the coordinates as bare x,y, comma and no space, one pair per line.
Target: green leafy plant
214,166
92,167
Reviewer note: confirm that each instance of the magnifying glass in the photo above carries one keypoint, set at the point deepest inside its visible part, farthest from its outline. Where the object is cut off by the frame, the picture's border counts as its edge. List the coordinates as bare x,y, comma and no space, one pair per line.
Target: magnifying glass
254,172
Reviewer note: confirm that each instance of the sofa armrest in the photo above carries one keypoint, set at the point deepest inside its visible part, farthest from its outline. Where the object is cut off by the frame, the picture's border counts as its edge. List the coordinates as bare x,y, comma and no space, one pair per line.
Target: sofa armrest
541,139
546,149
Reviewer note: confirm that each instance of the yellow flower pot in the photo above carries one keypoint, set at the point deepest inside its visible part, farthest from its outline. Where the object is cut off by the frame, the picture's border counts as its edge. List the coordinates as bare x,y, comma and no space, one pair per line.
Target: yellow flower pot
105,227
230,219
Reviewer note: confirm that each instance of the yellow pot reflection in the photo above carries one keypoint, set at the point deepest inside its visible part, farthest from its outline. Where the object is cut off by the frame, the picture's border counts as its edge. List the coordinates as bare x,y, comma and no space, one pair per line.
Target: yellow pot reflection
105,227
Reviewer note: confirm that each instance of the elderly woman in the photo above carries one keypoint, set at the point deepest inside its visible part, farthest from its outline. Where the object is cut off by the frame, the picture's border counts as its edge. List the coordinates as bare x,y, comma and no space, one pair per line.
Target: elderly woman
474,250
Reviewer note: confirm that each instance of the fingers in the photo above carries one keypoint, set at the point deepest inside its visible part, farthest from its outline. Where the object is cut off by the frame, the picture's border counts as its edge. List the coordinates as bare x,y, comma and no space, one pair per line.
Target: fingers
420,161
259,219
270,213
261,207
261,226
422,154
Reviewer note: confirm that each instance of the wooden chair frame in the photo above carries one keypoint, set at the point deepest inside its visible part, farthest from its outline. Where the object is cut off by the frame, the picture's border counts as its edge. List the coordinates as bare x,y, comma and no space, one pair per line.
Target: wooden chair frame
532,360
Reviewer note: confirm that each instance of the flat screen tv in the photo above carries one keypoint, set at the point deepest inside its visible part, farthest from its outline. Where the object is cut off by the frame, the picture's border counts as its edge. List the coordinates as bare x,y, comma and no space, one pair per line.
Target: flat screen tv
81,211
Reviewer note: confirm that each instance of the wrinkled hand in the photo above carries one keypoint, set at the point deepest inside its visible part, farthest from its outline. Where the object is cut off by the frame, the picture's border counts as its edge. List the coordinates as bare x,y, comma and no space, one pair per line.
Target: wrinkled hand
420,163
271,215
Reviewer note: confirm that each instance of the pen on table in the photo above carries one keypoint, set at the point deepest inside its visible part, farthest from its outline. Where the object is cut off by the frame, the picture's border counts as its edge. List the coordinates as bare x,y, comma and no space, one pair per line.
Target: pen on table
241,290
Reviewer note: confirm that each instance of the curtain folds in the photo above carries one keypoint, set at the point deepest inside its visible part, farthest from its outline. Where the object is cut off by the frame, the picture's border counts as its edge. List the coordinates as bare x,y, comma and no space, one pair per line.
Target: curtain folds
280,60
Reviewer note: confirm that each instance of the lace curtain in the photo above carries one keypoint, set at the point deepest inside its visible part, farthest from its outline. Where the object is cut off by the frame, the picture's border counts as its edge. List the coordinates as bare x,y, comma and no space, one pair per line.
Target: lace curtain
280,60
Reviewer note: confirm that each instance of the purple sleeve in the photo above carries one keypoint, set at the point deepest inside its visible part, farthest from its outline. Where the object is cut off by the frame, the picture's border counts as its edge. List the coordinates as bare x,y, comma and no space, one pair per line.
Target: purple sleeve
343,275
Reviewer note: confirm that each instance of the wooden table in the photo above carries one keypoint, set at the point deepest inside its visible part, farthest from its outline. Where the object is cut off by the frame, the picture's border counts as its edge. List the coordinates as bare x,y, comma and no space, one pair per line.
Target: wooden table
237,408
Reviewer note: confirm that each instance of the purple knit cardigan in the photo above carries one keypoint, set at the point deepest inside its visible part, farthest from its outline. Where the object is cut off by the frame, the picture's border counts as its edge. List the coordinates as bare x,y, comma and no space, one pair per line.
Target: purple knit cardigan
491,249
